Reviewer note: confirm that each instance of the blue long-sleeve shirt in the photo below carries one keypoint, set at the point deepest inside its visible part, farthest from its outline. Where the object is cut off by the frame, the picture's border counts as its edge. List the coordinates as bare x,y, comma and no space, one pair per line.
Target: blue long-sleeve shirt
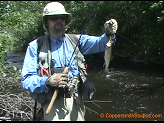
61,52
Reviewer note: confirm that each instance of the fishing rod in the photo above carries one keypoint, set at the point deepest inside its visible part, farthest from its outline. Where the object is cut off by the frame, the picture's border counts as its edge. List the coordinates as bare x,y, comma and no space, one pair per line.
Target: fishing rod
125,38
65,70
78,41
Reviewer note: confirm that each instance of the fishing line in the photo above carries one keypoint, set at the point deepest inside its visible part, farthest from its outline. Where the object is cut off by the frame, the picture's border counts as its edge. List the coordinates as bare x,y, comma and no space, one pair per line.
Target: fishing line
125,38
74,50
94,2
130,41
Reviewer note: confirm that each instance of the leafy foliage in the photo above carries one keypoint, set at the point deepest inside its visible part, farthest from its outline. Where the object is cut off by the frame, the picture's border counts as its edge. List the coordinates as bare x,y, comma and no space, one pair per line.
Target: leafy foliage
140,23
23,22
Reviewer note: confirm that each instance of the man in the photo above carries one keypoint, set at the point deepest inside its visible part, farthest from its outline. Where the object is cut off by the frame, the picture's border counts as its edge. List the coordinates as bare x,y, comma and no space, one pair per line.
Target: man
68,104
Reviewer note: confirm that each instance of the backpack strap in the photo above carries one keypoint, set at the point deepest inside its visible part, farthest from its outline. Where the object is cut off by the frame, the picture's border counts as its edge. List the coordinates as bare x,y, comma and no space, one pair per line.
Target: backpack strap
40,40
75,39
40,43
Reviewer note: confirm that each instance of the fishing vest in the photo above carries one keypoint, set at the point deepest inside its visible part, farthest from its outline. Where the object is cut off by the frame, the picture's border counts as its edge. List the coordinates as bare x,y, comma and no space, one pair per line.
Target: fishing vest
86,88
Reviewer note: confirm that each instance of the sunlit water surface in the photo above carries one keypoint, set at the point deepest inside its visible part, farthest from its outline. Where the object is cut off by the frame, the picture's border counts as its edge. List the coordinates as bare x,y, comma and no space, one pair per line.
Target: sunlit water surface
133,88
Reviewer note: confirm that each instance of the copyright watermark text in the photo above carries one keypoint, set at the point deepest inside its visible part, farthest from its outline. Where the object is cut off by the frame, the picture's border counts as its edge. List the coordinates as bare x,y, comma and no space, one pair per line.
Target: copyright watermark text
130,115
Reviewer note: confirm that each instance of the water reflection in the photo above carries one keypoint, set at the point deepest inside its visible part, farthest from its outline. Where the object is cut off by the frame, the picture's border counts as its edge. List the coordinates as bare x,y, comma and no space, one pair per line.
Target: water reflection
132,89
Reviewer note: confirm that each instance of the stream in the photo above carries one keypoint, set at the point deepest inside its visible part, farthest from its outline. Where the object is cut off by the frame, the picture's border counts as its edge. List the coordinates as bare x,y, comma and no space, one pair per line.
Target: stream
132,91
135,89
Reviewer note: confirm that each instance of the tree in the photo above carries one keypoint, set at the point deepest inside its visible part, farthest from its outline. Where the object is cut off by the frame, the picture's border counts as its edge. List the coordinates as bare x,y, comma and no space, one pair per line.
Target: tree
140,22
23,22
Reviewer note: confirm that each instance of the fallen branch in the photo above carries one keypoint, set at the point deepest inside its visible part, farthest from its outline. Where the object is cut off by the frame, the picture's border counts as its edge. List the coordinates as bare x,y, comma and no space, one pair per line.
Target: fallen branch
93,101
12,119
6,68
97,101
90,110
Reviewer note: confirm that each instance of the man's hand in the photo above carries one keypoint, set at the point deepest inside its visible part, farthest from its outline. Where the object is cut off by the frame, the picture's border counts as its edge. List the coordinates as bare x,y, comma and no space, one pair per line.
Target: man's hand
111,27
58,79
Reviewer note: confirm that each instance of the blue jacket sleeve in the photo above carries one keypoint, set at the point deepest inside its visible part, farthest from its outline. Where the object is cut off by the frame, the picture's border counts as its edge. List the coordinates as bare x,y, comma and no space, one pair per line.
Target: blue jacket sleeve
30,80
93,44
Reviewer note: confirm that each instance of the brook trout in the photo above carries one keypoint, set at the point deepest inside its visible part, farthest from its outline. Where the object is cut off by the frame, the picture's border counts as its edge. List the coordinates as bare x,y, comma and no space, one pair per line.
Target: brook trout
108,56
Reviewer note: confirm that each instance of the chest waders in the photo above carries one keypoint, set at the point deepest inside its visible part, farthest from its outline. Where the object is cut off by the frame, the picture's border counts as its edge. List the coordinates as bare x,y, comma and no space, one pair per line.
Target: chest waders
85,88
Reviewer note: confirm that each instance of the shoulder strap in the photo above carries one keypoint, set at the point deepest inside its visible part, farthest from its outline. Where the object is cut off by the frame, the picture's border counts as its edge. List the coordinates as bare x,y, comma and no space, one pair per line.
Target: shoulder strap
40,42
75,40
44,46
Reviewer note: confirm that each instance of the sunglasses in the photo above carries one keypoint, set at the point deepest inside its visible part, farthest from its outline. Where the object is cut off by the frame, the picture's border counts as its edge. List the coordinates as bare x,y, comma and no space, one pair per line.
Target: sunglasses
55,18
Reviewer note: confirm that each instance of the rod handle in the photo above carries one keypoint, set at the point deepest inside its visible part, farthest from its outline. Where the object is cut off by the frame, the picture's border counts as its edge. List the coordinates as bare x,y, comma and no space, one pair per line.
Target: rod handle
55,95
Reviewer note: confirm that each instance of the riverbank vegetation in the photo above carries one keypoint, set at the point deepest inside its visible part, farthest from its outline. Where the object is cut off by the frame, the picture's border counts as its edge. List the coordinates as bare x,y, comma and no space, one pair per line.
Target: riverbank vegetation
140,34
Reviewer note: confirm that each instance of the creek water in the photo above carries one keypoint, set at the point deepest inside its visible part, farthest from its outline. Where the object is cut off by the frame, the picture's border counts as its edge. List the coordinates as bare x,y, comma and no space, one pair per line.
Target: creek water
135,89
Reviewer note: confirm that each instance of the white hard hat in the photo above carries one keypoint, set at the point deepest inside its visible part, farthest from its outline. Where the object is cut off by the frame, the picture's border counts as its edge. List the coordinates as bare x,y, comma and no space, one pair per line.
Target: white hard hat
55,8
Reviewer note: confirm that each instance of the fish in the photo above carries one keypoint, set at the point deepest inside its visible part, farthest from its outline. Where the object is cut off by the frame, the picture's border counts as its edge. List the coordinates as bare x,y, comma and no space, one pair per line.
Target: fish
108,56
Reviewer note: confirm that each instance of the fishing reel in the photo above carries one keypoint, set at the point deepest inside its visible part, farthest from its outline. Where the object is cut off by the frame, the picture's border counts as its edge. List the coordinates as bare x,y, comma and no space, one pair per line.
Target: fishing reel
71,89
73,85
